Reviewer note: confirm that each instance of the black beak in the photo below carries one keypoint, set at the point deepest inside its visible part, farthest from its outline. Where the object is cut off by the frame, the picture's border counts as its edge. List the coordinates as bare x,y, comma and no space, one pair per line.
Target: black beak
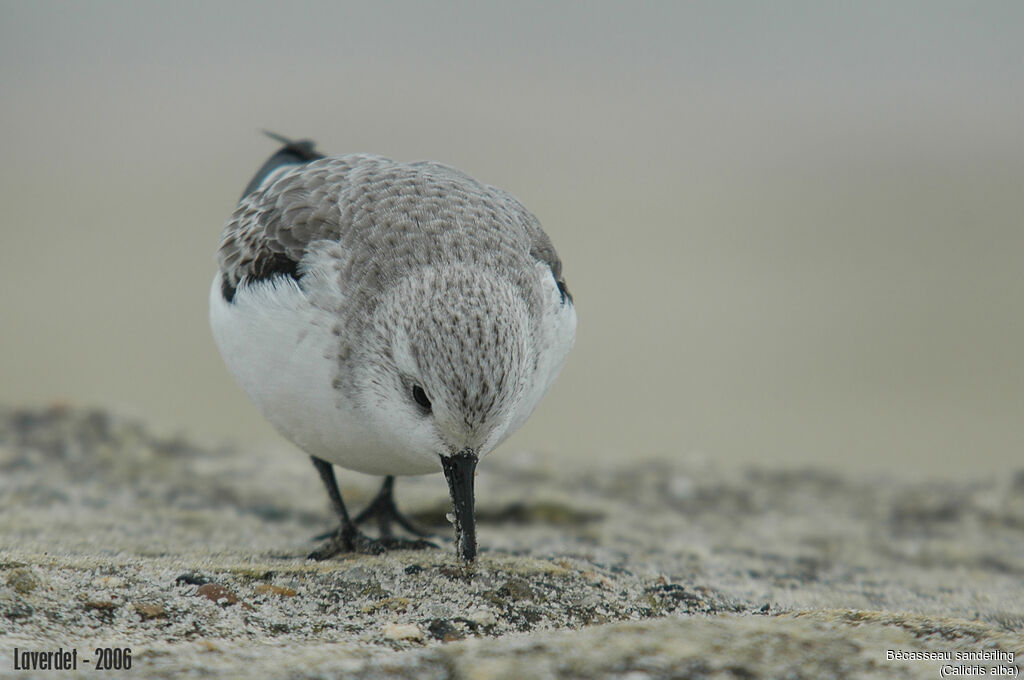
459,470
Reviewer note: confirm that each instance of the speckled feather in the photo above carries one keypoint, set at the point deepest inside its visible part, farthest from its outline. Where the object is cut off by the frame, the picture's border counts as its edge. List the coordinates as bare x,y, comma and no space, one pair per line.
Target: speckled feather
388,217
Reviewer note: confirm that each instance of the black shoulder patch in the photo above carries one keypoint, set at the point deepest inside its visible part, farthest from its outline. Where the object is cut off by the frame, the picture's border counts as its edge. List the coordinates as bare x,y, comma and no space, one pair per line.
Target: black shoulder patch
274,264
563,290
227,290
266,266
292,153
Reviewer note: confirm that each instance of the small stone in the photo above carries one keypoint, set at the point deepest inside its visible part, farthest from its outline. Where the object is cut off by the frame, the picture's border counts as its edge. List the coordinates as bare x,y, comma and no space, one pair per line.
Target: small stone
217,593
191,578
403,631
281,591
103,609
517,589
482,617
150,611
23,581
444,630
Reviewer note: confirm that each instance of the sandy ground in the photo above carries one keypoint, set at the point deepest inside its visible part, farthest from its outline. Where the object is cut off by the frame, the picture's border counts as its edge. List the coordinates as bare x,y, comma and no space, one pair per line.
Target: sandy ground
192,558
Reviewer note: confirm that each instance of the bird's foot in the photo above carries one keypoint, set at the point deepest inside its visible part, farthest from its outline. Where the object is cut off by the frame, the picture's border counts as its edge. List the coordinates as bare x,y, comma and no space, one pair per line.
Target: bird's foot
383,508
353,541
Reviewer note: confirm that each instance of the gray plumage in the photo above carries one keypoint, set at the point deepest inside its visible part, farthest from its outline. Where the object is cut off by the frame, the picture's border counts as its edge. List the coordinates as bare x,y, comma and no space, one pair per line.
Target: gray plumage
387,216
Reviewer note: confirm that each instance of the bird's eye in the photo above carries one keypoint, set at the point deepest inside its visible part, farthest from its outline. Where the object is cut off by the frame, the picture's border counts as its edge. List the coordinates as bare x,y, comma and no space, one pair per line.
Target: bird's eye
421,398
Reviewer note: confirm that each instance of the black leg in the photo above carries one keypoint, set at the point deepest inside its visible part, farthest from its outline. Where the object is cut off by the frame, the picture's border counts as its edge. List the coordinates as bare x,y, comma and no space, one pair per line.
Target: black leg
326,471
384,509
347,537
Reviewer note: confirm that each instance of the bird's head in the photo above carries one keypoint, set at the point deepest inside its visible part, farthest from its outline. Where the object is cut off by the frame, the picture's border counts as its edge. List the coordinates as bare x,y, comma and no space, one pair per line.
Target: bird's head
451,357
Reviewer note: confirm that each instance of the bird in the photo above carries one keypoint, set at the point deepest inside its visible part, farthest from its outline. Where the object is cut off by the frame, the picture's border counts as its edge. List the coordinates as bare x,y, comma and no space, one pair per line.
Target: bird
391,318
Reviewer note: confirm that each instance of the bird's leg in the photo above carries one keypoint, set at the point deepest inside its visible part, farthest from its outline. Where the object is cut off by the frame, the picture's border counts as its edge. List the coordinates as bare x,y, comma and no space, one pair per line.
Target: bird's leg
347,538
384,509
344,539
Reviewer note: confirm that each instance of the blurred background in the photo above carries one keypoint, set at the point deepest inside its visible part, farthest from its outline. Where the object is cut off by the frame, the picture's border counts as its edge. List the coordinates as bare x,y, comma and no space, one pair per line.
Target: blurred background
794,230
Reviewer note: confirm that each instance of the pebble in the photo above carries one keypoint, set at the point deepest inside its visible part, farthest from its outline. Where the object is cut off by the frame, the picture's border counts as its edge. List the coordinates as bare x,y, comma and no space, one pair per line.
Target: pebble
217,593
150,611
482,617
403,631
23,581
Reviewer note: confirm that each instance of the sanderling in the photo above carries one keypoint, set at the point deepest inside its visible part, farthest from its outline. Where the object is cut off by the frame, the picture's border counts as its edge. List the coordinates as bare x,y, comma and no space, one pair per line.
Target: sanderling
391,318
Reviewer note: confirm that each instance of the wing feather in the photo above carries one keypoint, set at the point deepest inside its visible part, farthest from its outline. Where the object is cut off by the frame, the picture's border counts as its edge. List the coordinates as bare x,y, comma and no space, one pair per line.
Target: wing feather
385,215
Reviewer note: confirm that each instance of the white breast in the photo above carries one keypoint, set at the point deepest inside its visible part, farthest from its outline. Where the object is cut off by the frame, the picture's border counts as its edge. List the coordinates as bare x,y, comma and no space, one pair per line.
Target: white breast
282,352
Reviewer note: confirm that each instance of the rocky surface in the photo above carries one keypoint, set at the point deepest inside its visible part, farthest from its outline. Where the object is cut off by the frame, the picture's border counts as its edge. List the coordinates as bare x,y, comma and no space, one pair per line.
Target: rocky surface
193,558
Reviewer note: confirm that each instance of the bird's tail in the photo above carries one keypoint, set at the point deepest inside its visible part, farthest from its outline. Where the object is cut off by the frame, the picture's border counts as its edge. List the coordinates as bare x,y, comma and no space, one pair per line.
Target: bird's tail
294,152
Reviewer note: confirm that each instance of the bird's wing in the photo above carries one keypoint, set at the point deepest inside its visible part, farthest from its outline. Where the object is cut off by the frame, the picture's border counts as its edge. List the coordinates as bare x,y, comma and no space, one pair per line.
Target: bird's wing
541,247
544,250
270,230
393,207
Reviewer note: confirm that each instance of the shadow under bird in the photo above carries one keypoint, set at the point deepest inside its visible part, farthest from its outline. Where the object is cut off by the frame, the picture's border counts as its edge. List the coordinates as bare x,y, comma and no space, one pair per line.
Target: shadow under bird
390,318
